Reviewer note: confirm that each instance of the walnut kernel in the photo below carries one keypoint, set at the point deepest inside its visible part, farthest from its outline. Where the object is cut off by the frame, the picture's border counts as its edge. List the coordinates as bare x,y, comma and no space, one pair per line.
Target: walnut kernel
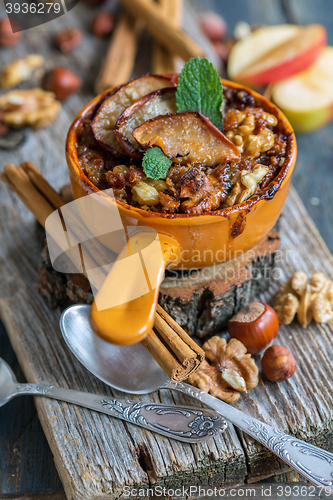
35,108
314,300
19,70
231,370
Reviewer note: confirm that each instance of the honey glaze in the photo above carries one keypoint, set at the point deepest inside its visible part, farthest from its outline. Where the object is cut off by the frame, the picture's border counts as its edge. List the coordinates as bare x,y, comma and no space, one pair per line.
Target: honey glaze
132,288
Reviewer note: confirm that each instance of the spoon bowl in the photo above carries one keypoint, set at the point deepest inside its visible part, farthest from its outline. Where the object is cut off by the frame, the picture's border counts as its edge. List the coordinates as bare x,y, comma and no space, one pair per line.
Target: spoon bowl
7,383
132,368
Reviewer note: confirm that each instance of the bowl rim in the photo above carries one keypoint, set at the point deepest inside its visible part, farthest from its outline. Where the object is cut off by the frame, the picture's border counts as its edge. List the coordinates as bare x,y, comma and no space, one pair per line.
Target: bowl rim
266,194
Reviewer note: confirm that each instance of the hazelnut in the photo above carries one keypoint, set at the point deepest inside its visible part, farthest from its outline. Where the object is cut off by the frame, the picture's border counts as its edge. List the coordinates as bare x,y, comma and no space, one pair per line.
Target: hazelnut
68,39
278,363
61,81
255,325
213,26
7,36
102,24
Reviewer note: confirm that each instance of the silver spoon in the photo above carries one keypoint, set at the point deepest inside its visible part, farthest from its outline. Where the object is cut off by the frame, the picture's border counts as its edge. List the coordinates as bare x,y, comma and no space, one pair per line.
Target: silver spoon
184,423
132,369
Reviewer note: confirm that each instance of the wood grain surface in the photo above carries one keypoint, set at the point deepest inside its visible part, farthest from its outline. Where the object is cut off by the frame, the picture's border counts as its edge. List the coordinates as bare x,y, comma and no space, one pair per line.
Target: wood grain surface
90,457
96,456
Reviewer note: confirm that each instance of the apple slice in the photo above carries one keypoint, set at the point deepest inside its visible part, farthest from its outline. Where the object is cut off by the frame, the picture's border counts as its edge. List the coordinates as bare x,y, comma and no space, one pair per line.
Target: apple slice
272,53
187,137
110,110
157,103
307,98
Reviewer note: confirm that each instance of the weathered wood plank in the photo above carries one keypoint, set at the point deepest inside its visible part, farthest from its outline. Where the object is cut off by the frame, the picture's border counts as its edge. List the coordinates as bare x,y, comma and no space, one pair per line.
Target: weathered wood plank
22,441
90,447
93,457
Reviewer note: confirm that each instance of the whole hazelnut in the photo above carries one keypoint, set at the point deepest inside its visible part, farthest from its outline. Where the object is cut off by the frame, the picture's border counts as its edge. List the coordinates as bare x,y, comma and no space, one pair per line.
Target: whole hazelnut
102,24
7,36
61,81
68,39
213,26
278,363
255,325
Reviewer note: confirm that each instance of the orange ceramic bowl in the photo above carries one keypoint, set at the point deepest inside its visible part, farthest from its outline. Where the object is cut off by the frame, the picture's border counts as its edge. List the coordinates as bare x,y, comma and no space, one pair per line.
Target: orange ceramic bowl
213,237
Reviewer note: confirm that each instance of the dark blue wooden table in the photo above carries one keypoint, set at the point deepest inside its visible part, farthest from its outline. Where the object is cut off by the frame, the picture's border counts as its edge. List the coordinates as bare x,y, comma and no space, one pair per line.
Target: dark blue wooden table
26,463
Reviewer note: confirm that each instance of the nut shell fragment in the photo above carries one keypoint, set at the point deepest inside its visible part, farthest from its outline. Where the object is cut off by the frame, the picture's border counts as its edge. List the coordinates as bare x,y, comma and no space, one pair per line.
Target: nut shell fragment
187,137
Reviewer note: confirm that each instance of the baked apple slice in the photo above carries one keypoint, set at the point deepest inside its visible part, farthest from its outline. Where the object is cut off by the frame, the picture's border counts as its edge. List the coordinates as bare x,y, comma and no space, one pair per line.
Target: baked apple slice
187,137
160,102
110,110
272,53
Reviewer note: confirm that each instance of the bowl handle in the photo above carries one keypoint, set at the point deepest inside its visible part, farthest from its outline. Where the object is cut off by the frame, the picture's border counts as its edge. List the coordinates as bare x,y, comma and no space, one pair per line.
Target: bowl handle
124,308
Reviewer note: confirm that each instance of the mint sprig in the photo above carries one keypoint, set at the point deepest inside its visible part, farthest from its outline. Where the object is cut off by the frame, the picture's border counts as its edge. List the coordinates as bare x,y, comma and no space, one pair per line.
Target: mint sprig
200,89
155,164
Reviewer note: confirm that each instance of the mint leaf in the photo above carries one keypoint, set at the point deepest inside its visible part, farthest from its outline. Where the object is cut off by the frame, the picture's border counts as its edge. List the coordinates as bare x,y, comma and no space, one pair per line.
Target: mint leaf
155,164
200,89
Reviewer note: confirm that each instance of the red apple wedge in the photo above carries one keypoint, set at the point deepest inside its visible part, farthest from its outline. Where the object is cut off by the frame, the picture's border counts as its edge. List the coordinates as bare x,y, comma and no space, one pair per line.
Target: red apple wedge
272,53
157,103
187,137
307,98
110,110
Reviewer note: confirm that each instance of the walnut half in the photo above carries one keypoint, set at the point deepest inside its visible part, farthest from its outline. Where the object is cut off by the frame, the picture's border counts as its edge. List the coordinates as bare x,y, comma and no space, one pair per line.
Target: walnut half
314,300
19,70
231,370
34,107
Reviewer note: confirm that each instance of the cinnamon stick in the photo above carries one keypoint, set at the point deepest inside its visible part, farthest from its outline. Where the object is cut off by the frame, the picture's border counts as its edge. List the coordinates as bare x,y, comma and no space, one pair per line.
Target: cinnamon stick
19,181
177,354
163,60
162,29
119,60
42,185
172,348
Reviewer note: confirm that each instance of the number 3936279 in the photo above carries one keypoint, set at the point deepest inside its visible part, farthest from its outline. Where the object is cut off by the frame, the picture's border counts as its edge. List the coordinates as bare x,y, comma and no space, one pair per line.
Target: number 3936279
34,8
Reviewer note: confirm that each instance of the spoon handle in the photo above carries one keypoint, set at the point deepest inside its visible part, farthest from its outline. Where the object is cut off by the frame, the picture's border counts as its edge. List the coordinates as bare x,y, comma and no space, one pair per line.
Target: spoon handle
184,423
312,462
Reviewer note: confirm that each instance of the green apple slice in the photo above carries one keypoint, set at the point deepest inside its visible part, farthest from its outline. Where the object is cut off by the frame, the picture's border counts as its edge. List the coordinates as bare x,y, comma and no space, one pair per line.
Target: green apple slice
307,98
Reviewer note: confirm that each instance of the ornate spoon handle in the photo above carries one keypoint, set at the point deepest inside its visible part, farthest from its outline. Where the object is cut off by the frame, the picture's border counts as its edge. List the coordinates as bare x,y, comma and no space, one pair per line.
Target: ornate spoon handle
312,462
184,423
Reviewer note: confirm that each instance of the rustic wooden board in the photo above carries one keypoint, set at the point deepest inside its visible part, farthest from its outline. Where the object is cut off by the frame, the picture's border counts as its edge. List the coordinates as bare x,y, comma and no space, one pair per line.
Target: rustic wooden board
96,455
19,260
